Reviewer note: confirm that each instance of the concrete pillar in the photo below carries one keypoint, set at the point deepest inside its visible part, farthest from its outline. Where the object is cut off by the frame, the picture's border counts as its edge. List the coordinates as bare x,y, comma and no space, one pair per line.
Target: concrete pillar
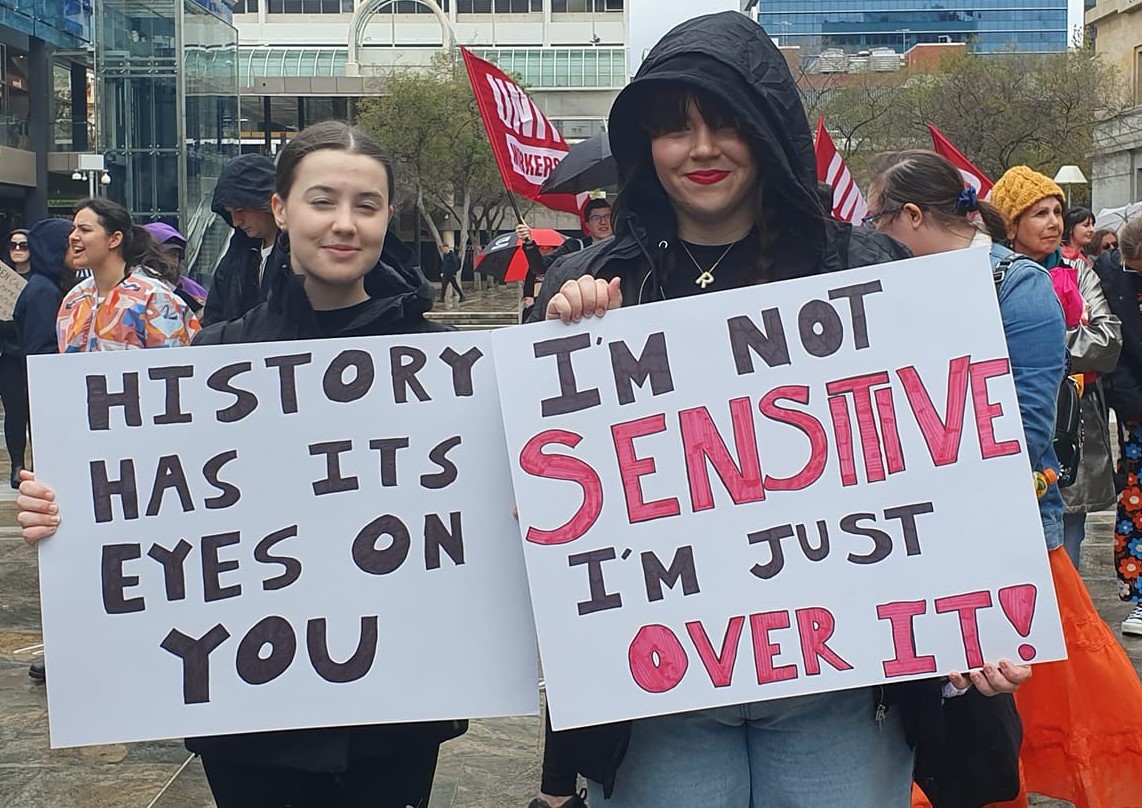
39,126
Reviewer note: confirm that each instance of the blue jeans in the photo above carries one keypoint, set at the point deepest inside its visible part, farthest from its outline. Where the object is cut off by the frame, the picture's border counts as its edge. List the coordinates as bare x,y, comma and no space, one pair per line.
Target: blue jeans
818,751
1074,531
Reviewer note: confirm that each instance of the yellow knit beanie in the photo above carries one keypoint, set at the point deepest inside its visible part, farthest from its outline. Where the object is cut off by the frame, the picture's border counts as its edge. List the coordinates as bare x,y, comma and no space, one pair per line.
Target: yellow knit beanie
1020,188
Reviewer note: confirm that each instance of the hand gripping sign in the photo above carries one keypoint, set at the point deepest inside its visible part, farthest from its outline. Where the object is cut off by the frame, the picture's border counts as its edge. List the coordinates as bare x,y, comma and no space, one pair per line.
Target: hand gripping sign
278,535
791,488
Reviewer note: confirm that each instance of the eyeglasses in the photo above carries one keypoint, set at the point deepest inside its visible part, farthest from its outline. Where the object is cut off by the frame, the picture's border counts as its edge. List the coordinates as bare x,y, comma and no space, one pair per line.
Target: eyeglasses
1110,245
868,221
599,218
17,245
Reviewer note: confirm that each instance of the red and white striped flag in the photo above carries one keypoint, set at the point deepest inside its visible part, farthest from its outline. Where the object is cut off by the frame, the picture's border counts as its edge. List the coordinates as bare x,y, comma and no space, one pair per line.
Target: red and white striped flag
848,201
526,146
972,175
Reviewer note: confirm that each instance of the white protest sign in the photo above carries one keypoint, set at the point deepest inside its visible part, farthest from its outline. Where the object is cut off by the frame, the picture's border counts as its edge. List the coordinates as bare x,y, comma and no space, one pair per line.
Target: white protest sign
783,489
11,284
278,535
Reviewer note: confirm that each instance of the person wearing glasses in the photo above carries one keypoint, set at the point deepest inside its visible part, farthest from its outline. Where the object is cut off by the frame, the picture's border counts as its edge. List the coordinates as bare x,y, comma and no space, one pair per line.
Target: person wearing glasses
19,252
13,370
1104,240
596,216
1095,692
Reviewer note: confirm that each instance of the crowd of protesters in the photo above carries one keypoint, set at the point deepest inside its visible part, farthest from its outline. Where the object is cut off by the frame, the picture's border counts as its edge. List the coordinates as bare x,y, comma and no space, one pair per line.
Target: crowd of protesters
717,191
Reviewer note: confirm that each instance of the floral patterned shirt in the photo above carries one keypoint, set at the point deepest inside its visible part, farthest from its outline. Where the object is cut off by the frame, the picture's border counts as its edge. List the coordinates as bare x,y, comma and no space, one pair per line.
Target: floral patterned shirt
140,312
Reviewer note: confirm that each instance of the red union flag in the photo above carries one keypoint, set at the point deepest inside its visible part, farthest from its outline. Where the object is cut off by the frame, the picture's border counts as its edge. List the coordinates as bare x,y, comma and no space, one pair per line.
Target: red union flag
527,147
848,201
972,175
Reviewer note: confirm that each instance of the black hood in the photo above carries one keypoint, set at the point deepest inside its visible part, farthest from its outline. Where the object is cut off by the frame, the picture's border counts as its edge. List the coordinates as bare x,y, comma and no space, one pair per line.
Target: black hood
732,58
48,242
246,181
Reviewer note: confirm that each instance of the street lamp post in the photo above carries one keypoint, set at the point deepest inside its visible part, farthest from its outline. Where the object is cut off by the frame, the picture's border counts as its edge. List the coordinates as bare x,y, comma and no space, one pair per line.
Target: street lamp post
1068,176
92,168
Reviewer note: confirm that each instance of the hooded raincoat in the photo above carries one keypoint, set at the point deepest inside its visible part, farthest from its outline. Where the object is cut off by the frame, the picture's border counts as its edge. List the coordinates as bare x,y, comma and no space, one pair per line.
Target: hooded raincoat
717,54
245,182
38,303
733,59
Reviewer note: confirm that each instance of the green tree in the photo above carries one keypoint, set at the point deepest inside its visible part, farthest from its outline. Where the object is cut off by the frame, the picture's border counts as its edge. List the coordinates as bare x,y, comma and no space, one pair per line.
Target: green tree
428,121
999,109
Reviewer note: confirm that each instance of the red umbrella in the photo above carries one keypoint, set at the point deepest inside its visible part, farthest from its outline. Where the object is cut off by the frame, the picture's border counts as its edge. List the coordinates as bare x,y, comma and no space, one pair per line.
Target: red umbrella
505,259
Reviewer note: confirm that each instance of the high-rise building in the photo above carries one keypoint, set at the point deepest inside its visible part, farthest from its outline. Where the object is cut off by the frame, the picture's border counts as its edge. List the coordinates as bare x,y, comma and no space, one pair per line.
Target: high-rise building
984,26
43,88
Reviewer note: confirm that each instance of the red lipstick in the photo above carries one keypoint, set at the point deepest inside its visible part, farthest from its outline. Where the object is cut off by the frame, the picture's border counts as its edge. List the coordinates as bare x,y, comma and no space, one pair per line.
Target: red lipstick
710,177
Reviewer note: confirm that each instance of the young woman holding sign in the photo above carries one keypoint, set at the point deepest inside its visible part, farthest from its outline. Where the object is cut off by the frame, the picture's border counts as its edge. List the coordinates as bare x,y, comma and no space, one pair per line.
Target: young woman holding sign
342,275
1095,693
718,190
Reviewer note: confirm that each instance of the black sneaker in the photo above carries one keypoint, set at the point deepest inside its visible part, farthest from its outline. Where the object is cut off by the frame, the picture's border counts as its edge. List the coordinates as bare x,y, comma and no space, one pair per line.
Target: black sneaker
37,672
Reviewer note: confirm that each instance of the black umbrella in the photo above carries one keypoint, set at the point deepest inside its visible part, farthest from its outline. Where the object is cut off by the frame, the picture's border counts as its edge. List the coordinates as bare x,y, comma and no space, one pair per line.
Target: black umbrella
587,167
505,259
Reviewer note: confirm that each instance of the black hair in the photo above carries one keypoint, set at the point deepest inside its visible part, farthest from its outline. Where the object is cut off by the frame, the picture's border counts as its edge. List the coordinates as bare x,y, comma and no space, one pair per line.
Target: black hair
1072,218
1095,245
930,182
593,205
664,108
333,135
138,247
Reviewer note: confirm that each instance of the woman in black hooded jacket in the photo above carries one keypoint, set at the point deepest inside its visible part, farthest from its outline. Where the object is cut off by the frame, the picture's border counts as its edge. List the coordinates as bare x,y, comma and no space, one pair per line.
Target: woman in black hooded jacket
717,191
341,275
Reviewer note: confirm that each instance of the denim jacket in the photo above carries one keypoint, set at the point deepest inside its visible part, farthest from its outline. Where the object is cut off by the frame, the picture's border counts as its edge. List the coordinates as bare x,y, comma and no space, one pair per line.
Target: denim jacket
1036,342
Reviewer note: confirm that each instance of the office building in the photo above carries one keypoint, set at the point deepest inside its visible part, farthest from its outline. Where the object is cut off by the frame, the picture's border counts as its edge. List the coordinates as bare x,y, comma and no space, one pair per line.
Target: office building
983,26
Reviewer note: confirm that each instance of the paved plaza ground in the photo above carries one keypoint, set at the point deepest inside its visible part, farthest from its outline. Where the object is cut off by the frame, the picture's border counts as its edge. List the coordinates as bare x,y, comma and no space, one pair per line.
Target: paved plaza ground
496,765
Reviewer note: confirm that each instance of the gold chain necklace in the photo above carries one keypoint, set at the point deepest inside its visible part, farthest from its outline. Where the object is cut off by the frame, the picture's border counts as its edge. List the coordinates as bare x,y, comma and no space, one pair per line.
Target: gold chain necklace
707,275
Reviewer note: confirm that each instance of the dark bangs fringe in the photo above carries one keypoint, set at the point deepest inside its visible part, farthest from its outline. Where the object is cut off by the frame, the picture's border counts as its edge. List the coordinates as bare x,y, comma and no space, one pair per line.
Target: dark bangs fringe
665,108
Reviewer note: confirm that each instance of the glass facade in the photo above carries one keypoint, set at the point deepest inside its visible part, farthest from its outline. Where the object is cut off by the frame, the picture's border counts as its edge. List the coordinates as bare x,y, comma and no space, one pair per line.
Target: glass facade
585,6
166,76
551,68
278,62
499,6
985,26
60,23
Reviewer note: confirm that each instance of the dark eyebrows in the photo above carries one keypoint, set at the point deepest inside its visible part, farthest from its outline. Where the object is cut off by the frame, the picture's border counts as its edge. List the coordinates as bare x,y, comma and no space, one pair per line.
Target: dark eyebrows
325,189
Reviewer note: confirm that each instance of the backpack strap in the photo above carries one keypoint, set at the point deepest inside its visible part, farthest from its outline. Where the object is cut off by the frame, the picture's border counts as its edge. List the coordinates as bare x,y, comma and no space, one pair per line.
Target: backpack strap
999,271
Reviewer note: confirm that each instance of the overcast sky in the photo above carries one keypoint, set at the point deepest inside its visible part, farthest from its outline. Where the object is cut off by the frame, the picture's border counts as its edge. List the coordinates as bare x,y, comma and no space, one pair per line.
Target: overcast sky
1074,17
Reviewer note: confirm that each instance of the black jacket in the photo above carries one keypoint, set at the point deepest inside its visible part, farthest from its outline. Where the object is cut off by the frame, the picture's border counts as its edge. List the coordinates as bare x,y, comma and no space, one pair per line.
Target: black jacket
400,296
733,59
38,305
449,265
1121,287
246,181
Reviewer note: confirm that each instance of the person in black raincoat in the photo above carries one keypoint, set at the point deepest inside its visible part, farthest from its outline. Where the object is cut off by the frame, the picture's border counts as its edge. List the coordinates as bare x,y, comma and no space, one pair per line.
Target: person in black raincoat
242,198
718,190
341,275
